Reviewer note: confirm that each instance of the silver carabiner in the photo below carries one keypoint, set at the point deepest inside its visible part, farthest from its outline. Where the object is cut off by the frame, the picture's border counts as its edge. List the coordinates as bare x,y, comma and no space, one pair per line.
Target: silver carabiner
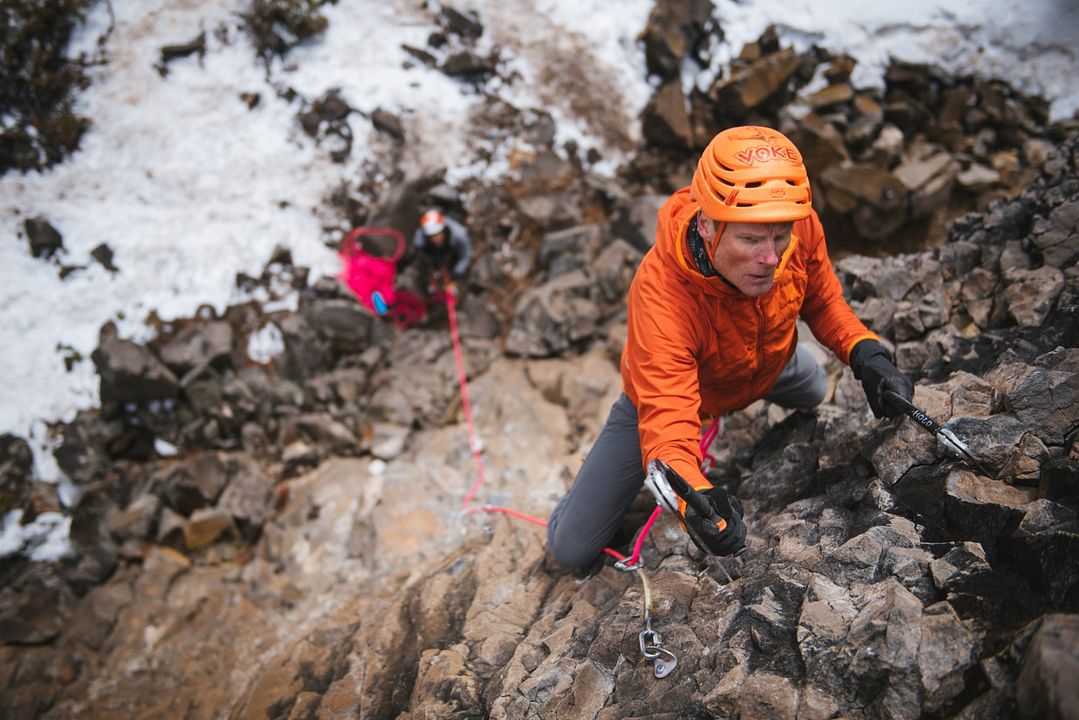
650,641
651,648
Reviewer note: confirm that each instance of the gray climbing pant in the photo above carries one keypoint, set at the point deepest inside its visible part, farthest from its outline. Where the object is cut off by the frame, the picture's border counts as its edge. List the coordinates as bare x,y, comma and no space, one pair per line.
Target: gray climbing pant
586,519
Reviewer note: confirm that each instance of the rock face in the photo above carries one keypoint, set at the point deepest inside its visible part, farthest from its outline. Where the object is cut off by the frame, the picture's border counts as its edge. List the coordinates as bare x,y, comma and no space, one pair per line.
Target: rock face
287,536
269,574
1051,661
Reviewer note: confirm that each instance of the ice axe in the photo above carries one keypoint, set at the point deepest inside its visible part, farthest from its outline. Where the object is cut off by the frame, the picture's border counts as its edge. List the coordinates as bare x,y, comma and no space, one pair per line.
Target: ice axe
946,436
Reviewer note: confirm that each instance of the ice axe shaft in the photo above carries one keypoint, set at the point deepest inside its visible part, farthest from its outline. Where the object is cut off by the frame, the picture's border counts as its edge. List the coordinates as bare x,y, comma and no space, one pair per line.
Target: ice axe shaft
913,412
947,437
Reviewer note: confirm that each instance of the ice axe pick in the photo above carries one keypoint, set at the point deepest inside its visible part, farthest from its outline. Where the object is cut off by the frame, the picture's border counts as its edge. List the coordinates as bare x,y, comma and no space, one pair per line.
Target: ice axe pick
946,436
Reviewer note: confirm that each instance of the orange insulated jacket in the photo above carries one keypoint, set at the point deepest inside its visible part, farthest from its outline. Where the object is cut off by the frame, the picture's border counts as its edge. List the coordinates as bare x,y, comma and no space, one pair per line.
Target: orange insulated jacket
696,346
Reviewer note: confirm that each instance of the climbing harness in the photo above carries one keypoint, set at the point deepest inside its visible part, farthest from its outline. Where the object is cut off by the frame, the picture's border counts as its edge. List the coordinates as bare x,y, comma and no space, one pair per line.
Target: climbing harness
947,438
650,641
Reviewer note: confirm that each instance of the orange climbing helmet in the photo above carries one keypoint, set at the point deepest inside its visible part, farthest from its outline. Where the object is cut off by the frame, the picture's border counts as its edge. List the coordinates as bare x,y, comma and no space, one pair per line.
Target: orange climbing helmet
432,222
752,174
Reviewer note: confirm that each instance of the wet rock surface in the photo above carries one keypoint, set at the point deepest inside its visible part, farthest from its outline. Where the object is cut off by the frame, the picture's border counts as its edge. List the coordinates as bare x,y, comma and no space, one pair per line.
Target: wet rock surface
284,537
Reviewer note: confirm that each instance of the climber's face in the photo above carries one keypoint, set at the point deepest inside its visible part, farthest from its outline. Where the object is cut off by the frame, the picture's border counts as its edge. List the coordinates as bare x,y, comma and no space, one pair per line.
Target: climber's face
748,254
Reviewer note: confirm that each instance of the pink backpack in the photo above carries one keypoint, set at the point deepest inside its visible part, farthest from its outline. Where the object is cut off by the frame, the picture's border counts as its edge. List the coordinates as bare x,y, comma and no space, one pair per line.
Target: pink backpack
370,271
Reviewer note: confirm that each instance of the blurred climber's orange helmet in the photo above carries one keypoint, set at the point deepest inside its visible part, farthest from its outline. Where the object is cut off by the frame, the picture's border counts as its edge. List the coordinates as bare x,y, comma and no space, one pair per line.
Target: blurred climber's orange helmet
432,223
752,174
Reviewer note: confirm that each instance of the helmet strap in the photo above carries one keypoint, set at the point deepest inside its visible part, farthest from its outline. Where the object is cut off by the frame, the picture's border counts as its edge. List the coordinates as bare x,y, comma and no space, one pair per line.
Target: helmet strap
713,244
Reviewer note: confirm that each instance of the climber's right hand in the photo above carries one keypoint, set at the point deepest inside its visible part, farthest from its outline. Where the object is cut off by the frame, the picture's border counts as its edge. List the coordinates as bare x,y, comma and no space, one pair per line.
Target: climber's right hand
723,533
712,517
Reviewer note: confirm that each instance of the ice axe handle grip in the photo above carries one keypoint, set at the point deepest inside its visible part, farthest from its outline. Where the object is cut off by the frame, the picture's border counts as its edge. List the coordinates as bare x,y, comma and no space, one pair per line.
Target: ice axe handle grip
694,499
700,505
912,411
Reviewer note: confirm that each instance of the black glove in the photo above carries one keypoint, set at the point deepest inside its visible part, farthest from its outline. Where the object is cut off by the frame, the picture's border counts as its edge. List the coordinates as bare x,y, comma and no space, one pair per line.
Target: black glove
731,540
874,367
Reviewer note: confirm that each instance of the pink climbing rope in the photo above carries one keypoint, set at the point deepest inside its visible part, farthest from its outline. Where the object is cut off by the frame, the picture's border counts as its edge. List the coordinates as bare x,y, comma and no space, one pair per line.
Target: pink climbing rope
636,556
462,380
536,521
709,435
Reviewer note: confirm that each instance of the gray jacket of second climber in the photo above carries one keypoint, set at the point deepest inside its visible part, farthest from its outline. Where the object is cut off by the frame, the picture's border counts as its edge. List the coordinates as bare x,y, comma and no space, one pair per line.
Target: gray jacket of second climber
454,255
